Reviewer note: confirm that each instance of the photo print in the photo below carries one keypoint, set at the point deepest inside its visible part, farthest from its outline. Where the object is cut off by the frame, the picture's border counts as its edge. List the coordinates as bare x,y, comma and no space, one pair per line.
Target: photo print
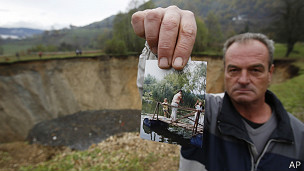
173,103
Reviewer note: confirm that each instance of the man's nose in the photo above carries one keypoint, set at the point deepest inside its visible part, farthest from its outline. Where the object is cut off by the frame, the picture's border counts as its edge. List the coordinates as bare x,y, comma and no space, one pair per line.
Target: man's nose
244,77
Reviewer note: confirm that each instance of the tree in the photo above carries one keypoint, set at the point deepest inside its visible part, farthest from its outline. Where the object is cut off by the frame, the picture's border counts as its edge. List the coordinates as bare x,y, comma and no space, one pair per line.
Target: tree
215,36
116,46
201,36
1,48
134,4
122,28
289,23
103,37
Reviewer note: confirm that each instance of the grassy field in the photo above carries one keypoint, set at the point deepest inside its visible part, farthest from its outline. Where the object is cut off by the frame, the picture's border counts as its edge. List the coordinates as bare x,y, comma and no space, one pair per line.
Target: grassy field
298,52
291,92
127,152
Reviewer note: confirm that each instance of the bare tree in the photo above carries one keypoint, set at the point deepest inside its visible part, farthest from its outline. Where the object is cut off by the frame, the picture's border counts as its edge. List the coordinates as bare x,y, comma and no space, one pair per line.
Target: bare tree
134,4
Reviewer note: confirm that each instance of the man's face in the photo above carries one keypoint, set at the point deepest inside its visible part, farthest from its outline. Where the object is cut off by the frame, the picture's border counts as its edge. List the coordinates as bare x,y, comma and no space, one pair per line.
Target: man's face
247,75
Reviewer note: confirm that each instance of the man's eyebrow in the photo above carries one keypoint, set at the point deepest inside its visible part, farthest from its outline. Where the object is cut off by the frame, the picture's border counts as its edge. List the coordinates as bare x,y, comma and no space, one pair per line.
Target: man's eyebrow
232,66
251,66
257,66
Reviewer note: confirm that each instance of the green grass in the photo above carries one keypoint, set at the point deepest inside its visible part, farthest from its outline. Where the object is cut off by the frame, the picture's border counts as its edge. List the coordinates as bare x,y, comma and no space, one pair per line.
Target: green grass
291,92
46,56
298,51
95,160
12,49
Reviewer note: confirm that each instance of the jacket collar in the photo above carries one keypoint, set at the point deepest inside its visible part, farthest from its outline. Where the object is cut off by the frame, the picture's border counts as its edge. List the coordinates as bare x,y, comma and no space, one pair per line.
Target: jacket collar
230,122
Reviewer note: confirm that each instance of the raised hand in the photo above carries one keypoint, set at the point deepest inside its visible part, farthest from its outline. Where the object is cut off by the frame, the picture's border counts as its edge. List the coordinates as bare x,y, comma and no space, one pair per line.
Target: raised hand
170,33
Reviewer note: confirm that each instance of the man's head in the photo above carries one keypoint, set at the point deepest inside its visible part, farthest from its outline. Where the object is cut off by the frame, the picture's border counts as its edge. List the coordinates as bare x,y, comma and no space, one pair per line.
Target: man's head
248,67
243,38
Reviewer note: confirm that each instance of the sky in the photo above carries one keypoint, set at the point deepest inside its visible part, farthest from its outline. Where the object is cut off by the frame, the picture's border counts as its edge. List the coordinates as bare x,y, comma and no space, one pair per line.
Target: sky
57,14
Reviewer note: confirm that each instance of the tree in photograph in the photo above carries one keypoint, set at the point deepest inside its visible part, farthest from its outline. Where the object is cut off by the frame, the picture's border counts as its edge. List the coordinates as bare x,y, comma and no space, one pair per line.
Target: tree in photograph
196,78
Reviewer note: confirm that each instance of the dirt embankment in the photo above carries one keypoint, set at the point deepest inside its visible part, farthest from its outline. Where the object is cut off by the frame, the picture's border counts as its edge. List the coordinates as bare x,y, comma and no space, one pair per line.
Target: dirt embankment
32,92
35,91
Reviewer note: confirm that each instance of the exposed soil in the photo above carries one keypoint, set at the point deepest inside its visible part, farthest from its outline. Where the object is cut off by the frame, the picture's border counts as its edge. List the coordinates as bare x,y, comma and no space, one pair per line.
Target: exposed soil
78,131
17,154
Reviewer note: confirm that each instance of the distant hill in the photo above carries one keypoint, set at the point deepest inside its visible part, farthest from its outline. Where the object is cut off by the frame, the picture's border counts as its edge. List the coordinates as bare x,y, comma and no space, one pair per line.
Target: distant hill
85,37
232,17
18,33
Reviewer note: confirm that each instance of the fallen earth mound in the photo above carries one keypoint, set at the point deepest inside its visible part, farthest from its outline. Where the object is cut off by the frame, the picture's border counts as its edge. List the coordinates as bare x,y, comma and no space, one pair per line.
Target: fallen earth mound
82,129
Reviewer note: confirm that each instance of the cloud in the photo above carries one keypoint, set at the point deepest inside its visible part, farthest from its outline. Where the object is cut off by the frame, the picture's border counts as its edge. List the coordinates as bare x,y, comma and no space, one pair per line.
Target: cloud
57,13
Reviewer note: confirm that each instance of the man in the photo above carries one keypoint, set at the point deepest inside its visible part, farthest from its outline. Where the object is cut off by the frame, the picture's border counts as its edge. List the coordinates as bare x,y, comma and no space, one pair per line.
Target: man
247,128
177,98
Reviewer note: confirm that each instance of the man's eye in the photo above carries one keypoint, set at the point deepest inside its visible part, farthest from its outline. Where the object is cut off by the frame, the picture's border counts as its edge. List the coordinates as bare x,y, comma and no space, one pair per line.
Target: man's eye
256,70
233,70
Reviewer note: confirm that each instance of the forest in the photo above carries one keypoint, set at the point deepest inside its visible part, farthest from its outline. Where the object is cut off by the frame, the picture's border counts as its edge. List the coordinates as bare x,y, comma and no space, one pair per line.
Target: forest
281,20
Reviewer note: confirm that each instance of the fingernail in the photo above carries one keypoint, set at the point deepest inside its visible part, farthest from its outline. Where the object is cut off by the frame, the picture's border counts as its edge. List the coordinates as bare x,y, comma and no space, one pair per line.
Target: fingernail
163,62
178,62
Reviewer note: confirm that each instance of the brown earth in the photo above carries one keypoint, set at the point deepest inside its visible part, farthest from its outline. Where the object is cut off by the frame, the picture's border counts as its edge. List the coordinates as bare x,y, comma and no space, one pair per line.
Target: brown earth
17,154
36,91
78,78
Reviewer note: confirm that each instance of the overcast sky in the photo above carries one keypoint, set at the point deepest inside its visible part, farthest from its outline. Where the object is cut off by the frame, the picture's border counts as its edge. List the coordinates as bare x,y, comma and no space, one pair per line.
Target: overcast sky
57,14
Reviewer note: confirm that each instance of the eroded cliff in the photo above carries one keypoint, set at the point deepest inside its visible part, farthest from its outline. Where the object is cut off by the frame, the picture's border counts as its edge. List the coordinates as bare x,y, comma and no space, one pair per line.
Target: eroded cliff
35,91
31,92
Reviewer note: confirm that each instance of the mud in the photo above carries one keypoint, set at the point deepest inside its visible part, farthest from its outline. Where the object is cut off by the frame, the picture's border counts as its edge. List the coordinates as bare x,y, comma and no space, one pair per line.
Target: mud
82,129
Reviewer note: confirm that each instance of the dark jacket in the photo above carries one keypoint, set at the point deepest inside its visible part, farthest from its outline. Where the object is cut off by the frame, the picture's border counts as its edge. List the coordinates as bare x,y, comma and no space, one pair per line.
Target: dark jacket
227,146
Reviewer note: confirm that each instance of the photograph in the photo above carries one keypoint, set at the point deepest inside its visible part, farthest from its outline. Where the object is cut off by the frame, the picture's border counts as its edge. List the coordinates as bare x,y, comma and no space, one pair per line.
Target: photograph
173,103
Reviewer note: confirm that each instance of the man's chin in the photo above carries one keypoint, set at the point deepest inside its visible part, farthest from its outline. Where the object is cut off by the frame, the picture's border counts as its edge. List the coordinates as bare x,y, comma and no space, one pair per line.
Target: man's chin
243,99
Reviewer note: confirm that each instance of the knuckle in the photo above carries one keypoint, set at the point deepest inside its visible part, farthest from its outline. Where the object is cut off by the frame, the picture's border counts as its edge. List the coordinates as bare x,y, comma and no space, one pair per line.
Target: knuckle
189,13
136,17
189,31
165,46
153,15
151,38
170,24
183,47
173,7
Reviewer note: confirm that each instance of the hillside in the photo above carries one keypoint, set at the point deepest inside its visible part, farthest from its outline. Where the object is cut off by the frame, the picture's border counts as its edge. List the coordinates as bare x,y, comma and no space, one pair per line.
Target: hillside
18,33
86,37
232,16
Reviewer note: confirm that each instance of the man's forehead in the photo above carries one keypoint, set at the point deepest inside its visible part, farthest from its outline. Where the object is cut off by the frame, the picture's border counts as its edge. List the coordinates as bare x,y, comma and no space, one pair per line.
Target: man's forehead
250,50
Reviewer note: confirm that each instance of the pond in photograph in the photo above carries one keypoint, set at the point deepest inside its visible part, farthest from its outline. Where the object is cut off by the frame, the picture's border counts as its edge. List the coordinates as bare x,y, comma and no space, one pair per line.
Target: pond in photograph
171,135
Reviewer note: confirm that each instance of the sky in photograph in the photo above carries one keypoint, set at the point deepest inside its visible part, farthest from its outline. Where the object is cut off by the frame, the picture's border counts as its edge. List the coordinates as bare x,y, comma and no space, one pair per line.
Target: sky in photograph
153,69
57,14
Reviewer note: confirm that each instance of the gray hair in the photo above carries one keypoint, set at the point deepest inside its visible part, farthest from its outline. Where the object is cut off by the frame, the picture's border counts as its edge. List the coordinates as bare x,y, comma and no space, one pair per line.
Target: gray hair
241,38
